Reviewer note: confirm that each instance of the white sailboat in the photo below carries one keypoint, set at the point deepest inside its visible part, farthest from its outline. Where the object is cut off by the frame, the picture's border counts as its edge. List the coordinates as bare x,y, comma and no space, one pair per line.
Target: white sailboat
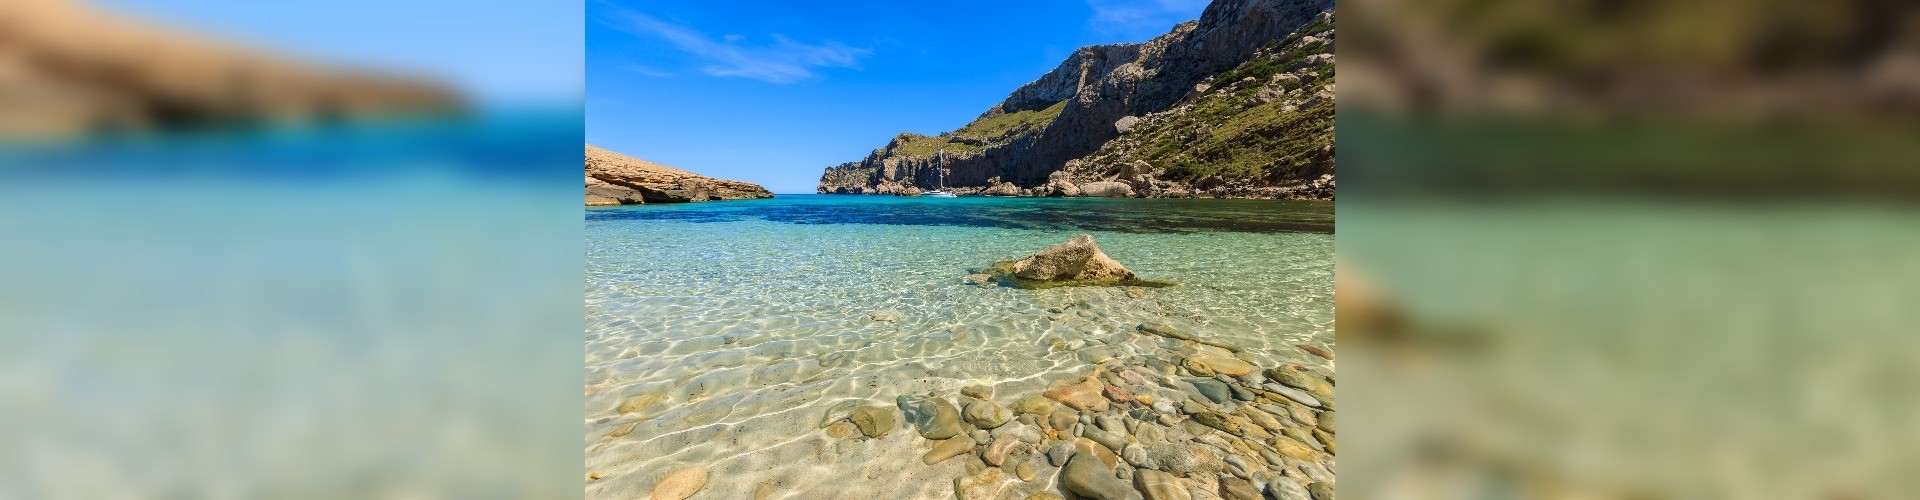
942,192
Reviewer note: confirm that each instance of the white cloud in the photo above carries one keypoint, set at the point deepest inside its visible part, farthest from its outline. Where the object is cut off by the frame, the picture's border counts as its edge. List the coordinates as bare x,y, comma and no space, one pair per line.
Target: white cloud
644,70
783,61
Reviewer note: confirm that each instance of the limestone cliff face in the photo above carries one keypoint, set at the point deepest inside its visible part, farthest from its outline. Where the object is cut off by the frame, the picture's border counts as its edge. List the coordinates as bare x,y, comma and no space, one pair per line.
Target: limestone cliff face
617,179
1020,146
69,70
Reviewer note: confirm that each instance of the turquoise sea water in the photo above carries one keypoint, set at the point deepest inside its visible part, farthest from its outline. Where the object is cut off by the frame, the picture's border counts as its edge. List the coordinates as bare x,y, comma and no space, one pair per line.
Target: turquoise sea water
368,311
735,325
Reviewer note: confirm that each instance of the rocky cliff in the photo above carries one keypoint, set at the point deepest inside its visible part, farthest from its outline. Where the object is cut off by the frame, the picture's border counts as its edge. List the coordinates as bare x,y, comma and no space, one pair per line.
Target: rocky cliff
617,179
1217,107
68,70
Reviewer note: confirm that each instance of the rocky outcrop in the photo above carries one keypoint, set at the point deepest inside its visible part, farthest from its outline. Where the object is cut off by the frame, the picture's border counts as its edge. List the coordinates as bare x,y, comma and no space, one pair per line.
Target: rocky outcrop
67,70
1077,261
617,179
1097,94
1001,189
1106,189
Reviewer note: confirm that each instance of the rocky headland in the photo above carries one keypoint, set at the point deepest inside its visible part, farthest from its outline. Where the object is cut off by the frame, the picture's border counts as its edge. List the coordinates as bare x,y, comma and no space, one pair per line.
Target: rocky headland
617,179
1238,104
68,70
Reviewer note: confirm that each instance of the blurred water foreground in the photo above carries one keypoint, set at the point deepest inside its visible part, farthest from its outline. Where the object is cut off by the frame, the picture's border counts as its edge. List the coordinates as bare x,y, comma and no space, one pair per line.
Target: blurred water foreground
1629,249
223,275
373,312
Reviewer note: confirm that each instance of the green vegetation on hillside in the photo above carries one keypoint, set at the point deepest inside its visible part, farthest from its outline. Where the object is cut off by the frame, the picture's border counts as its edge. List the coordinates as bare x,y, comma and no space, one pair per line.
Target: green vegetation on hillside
982,132
1231,134
1249,143
1263,68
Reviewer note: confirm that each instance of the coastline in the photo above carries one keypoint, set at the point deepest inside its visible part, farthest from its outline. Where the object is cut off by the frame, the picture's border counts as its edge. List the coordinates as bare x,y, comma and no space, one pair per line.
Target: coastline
976,192
779,352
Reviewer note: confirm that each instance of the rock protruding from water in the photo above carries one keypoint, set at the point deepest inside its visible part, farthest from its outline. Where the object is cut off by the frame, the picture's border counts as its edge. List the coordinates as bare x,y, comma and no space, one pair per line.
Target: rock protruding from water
1076,261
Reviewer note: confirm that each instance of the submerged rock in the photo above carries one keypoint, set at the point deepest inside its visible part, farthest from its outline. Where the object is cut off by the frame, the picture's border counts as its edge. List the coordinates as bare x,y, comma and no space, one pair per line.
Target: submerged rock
1033,405
1164,330
1292,376
1213,390
987,414
934,417
1209,363
1023,432
640,402
1288,489
1218,421
874,421
1316,350
840,429
1113,442
681,484
1059,454
1158,485
1233,488
1321,491
946,449
1077,261
980,486
839,412
1088,477
1081,394
1296,450
997,451
1087,447
1136,455
1298,396
1182,459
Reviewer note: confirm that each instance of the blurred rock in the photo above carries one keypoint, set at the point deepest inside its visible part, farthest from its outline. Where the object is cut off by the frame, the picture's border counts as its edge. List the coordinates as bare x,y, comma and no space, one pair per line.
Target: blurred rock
69,70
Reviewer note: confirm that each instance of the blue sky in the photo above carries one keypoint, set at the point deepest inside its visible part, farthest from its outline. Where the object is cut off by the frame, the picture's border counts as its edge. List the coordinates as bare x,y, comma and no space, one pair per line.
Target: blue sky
774,91
498,51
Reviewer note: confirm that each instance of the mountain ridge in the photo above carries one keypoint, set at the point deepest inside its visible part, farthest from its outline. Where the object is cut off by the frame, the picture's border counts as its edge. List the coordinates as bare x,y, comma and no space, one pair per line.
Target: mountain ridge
1029,143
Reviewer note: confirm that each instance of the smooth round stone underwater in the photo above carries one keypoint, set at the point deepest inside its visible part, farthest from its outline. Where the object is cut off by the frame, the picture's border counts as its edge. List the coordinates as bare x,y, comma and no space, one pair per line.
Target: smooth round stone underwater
739,324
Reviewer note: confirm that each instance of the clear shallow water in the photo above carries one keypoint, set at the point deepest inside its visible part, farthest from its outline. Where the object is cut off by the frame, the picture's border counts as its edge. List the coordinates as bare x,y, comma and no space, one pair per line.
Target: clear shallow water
744,321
